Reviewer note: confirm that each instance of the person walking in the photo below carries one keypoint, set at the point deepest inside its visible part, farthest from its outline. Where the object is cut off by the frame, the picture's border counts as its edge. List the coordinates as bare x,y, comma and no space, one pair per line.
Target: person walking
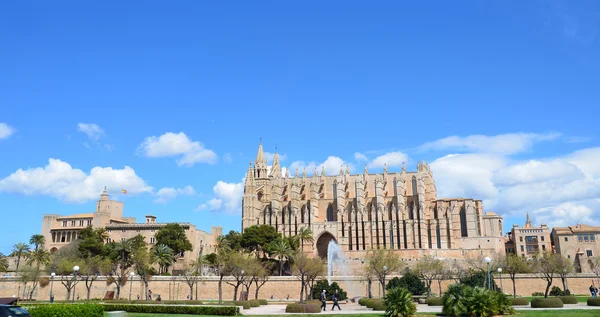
593,290
335,297
324,300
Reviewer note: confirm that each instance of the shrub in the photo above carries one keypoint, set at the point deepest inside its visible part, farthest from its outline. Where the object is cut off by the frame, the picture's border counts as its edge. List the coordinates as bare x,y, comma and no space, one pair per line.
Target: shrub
399,302
245,304
454,300
569,299
363,301
503,303
330,289
67,310
537,294
519,301
593,301
164,309
375,304
476,279
462,300
546,303
435,301
166,302
263,302
556,291
410,281
254,303
303,308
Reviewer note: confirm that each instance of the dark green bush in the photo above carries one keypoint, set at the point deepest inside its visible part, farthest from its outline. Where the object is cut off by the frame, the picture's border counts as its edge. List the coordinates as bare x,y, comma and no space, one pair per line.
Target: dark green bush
537,294
375,304
245,304
263,302
164,309
551,302
435,301
399,302
569,299
410,281
363,301
153,302
67,310
556,291
330,289
476,279
519,301
254,303
593,301
462,300
303,308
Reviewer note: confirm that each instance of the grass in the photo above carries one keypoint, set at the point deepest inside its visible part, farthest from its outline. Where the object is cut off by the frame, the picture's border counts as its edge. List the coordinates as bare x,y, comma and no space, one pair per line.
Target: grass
581,299
522,313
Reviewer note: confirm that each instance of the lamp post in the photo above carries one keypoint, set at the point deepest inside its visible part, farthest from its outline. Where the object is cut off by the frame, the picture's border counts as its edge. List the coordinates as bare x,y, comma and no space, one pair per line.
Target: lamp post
488,260
52,275
131,274
384,274
75,271
500,272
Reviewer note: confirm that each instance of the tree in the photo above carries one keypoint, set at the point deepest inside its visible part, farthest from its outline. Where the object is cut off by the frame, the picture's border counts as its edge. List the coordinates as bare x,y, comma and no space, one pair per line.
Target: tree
252,267
367,272
513,265
282,251
19,250
3,263
255,238
261,277
143,268
37,257
478,264
236,263
547,267
91,242
162,255
316,268
383,262
191,276
173,235
305,235
91,268
409,280
429,268
299,269
444,274
564,267
38,241
30,274
595,266
121,255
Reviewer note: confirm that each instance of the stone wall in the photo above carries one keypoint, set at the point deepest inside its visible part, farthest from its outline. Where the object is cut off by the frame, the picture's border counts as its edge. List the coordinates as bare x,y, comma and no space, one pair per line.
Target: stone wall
278,287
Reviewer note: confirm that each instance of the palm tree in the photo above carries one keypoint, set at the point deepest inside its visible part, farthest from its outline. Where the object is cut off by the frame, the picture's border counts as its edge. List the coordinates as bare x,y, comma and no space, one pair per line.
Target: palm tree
305,235
39,257
19,250
163,256
3,263
281,250
37,240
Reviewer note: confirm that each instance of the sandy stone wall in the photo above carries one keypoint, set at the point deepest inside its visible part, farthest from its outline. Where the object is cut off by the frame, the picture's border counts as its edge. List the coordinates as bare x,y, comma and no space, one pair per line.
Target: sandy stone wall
278,287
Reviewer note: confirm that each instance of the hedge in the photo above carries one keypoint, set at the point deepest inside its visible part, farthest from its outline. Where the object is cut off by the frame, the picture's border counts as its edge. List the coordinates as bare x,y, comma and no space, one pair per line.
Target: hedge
66,310
309,307
568,299
254,303
245,304
164,309
435,301
150,302
375,304
547,303
263,302
519,301
593,301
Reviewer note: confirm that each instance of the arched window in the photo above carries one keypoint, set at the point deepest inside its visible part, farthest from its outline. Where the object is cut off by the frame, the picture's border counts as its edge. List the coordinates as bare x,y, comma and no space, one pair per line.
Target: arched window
414,186
330,212
259,196
463,222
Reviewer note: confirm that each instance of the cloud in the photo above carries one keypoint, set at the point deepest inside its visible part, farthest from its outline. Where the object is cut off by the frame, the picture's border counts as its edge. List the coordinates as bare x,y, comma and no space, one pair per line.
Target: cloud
360,157
59,179
564,215
332,166
228,198
167,193
269,157
6,131
92,130
227,158
392,159
504,144
177,144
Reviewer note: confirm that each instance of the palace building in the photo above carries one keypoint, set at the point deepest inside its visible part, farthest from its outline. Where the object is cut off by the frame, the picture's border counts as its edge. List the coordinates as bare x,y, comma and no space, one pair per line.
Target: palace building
399,211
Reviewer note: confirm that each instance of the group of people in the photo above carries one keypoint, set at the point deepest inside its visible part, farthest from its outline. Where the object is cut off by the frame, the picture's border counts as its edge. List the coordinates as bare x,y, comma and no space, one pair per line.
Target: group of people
335,297
594,290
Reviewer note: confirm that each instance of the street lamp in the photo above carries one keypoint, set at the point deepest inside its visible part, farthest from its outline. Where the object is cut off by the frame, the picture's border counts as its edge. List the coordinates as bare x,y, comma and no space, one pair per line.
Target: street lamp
500,272
52,275
384,274
131,274
488,260
75,271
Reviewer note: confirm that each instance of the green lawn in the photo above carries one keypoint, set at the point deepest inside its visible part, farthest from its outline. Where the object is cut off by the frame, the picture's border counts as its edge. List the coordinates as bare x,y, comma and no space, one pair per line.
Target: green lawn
522,313
581,299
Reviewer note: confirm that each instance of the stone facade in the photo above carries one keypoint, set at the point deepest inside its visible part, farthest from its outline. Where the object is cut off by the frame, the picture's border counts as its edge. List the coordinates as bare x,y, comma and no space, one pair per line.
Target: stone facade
397,211
529,241
59,230
579,243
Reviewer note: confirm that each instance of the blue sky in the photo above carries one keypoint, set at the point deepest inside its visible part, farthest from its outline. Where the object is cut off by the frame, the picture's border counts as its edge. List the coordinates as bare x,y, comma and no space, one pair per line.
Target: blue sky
501,98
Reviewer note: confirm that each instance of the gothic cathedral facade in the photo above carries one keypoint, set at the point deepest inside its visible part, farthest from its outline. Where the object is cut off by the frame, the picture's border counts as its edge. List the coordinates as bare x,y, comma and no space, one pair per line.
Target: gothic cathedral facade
396,211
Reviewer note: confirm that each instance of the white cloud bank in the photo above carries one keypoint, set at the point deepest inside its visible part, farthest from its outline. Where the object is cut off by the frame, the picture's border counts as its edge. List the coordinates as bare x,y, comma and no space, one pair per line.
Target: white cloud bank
6,131
168,193
177,144
92,130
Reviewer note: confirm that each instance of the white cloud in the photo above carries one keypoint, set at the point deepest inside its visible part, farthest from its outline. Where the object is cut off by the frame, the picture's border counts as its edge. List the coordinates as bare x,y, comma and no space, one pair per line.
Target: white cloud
167,193
6,131
360,157
269,157
564,215
228,198
177,144
59,179
92,130
332,166
505,144
392,159
227,158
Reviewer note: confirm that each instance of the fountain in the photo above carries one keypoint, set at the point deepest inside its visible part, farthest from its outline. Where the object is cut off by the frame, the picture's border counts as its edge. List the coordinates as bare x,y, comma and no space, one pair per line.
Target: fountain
334,256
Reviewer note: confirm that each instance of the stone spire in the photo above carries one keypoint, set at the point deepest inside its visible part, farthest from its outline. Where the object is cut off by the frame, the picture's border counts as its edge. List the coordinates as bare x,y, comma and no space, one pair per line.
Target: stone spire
304,173
104,195
323,171
403,167
260,164
276,167
250,173
527,222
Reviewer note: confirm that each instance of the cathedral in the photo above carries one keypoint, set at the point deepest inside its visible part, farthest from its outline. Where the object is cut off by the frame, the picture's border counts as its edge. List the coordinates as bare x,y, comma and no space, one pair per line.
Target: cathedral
397,211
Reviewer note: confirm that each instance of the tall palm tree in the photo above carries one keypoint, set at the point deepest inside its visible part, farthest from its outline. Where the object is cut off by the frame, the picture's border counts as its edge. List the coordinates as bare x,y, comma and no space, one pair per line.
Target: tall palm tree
39,257
3,263
305,235
37,240
163,256
281,250
19,250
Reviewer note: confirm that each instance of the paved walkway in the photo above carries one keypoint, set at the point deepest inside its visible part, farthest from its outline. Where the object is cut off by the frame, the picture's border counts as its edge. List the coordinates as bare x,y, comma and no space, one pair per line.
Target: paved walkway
352,308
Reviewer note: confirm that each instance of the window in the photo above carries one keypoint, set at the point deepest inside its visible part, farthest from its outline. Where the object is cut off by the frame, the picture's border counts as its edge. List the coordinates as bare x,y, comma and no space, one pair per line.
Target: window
566,239
531,239
580,237
330,212
89,222
533,248
568,256
122,239
592,237
81,223
589,253
544,247
542,238
152,240
586,238
522,248
72,223
64,223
